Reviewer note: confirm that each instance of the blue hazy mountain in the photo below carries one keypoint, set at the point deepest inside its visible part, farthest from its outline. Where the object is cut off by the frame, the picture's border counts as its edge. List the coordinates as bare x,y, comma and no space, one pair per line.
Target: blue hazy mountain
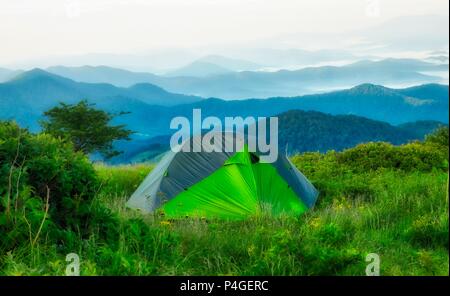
254,84
199,69
7,74
25,97
232,64
372,101
28,95
420,128
102,74
309,80
406,65
429,91
302,131
42,85
296,57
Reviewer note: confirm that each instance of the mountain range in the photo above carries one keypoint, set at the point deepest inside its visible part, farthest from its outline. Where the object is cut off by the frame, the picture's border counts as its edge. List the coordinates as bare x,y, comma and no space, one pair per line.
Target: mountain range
7,74
302,131
206,80
27,96
362,113
231,64
199,69
213,65
217,76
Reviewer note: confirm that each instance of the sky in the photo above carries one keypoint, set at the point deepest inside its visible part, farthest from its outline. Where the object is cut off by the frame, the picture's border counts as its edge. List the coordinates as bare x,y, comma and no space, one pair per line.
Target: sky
31,29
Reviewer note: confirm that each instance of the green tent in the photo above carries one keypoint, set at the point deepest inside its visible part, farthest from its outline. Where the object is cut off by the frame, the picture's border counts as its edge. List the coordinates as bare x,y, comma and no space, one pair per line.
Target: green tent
229,185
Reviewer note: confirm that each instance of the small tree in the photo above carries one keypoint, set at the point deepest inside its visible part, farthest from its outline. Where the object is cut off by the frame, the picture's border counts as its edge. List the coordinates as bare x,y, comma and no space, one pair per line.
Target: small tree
87,128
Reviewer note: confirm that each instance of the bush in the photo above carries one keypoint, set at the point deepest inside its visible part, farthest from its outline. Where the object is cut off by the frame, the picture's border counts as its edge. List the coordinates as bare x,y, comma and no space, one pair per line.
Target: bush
44,174
429,231
409,157
439,137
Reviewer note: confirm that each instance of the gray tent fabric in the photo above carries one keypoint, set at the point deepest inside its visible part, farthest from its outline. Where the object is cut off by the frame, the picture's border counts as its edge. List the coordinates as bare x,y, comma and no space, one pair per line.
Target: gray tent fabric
145,196
180,170
298,182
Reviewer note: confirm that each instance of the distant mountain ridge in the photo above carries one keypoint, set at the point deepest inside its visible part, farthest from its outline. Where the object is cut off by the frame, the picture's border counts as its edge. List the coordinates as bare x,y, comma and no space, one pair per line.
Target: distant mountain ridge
353,110
7,74
304,131
232,64
102,74
198,69
257,84
27,96
419,129
38,83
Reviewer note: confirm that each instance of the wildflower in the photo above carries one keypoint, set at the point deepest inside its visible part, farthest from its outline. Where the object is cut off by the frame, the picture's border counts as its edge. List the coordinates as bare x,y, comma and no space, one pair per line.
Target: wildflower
165,223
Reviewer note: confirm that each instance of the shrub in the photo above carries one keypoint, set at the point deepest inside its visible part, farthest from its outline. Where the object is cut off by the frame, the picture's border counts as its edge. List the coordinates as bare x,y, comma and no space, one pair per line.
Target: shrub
439,137
409,157
41,167
429,231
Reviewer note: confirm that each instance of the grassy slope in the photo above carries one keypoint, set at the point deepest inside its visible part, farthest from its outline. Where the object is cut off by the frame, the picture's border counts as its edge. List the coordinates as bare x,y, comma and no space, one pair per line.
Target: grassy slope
401,216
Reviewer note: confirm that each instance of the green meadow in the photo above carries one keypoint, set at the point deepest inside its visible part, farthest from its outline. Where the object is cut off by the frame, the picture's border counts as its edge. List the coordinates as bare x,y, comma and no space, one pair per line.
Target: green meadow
374,198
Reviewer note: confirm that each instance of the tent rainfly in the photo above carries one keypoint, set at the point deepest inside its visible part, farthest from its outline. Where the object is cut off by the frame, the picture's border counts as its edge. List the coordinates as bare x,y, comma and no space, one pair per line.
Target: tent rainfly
228,185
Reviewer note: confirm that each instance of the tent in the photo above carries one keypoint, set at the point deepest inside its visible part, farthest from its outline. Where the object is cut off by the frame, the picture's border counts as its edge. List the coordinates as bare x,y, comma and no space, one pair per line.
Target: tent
230,185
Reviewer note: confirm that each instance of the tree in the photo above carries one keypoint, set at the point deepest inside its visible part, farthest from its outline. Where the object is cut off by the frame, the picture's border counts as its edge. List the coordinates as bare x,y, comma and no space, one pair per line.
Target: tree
438,137
87,128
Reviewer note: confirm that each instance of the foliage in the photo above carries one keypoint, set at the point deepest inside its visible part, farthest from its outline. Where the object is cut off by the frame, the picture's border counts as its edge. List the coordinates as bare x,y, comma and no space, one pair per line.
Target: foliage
410,157
86,127
389,207
405,222
315,131
42,182
121,180
439,137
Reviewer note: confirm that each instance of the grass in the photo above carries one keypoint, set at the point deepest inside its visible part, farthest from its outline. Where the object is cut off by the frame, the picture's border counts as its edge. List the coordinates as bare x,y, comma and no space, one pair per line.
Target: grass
118,181
402,216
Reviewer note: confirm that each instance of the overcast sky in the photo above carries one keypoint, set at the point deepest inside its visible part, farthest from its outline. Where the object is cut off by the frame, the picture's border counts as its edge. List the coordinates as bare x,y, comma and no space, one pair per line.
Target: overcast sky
30,29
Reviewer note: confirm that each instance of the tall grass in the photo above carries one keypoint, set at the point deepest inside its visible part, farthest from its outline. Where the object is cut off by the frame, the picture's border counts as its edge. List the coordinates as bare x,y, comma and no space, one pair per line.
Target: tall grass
402,216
